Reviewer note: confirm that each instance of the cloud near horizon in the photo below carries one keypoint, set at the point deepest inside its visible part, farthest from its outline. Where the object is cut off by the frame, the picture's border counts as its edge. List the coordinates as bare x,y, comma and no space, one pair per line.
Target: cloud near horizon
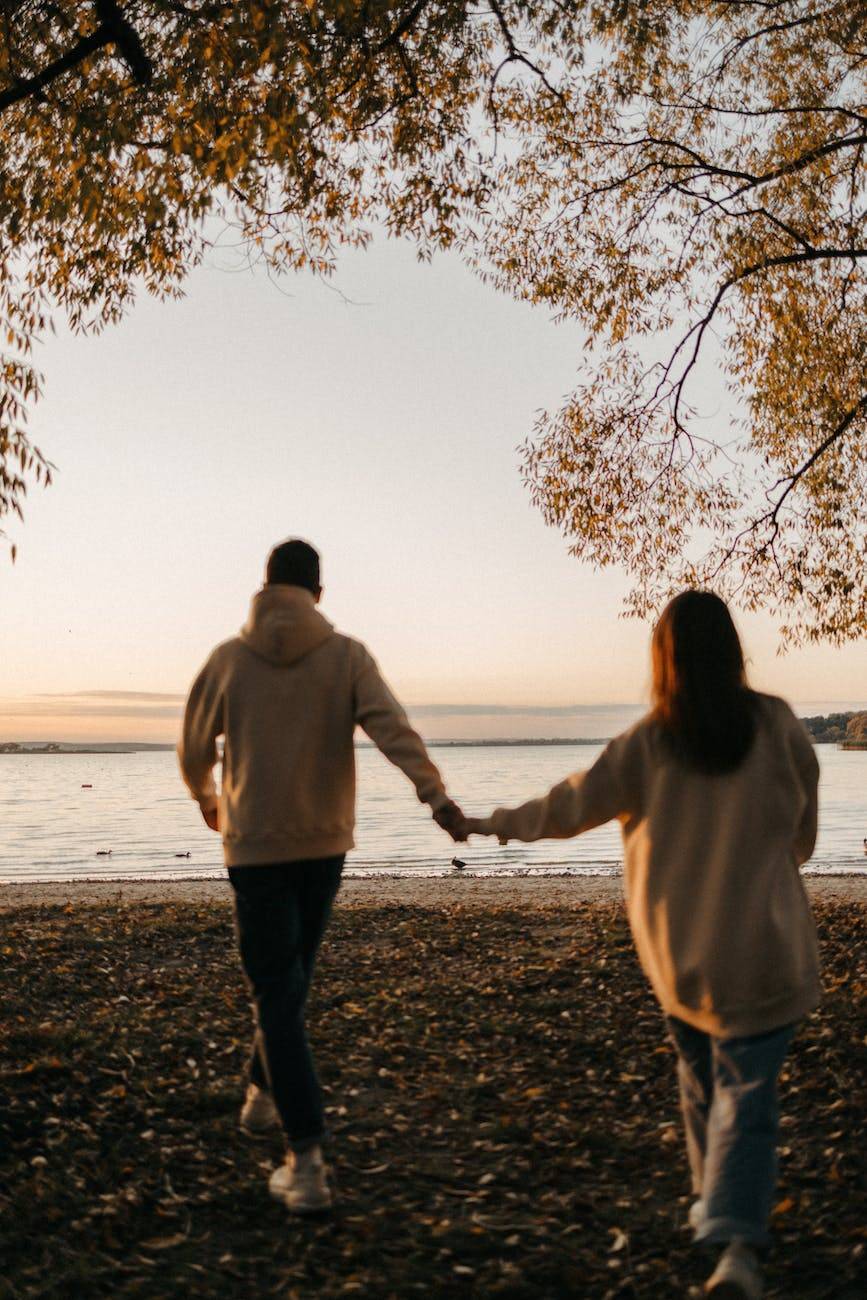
154,716
154,696
121,715
513,710
99,715
421,710
168,704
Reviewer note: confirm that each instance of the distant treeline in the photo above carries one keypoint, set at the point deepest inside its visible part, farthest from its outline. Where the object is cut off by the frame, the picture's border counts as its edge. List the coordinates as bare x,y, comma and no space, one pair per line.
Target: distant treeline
847,729
69,747
839,728
52,747
14,747
501,743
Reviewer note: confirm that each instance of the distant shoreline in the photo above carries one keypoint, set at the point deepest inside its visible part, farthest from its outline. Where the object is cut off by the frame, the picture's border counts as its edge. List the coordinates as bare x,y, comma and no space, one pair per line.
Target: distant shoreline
66,750
498,744
846,730
66,753
63,748
530,743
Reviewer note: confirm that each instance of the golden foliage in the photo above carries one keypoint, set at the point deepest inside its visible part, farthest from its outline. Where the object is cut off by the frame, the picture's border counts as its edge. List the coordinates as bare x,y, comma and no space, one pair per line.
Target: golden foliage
299,124
684,178
696,200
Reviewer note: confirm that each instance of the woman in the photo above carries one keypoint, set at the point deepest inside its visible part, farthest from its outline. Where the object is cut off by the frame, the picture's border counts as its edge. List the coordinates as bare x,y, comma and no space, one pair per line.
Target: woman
715,790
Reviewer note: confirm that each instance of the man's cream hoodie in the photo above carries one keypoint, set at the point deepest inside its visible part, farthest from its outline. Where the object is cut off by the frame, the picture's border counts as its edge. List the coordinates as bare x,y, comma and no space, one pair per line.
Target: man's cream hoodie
718,910
286,696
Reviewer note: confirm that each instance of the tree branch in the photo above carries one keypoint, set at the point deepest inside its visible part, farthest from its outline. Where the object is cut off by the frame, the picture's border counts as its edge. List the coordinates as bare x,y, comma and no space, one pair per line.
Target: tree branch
126,38
794,478
34,85
515,55
767,264
771,518
402,27
113,29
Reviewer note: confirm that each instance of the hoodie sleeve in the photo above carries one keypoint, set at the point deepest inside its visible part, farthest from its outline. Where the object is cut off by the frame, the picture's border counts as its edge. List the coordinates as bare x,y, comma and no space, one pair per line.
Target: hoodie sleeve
807,766
380,715
582,801
197,748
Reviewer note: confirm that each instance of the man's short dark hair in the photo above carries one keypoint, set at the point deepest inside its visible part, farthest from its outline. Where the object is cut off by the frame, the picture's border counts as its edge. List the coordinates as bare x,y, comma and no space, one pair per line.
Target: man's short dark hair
294,563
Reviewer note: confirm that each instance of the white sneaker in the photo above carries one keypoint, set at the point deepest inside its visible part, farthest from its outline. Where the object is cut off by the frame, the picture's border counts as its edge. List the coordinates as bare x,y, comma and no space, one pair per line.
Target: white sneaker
736,1276
697,1214
259,1115
300,1182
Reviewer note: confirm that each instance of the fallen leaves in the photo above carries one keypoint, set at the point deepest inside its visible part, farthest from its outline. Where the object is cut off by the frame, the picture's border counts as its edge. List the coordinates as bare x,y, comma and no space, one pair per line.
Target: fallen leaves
501,1126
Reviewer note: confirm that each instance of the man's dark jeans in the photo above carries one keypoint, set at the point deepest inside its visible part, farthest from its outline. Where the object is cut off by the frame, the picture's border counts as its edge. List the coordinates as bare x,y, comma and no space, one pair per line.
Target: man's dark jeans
282,910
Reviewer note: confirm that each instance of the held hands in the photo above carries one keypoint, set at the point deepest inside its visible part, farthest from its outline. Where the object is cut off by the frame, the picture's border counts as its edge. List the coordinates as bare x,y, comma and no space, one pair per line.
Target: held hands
452,821
460,828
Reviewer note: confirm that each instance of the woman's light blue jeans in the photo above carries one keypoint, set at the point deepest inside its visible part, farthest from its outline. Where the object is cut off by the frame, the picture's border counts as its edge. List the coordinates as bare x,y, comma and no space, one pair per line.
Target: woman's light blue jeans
728,1093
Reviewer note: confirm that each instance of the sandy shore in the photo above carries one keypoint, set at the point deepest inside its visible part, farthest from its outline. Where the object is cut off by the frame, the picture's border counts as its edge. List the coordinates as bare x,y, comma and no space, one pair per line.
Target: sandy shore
539,892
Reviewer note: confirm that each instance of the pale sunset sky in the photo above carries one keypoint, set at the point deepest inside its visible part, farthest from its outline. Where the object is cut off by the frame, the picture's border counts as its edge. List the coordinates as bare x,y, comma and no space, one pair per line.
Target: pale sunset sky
197,433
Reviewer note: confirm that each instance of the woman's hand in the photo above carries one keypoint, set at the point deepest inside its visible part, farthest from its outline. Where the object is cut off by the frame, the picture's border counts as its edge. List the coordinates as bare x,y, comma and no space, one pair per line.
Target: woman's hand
477,826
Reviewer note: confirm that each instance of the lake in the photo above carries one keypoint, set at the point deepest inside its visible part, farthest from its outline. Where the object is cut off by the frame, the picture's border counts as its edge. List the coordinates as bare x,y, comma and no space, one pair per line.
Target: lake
53,828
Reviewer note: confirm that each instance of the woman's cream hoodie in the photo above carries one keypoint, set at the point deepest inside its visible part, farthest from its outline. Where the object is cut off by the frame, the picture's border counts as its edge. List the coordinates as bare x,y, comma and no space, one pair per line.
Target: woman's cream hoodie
716,903
286,695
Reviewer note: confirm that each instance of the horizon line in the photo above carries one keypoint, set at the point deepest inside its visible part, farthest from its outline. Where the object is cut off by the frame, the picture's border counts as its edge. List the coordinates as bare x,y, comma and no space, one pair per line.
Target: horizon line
170,743
145,702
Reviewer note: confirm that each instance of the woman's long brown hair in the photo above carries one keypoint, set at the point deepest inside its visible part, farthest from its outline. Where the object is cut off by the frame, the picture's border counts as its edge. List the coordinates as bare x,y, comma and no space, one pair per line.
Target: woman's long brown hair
700,695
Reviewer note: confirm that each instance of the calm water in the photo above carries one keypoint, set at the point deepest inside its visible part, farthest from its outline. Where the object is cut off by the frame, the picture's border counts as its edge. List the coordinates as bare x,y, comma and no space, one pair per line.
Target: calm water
51,828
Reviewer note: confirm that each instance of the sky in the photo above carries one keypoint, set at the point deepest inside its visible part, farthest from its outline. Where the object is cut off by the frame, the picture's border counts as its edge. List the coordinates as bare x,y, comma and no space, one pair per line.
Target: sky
379,417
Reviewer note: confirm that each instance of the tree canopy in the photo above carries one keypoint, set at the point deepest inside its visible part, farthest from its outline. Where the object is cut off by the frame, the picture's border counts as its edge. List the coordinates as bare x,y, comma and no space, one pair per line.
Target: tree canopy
683,178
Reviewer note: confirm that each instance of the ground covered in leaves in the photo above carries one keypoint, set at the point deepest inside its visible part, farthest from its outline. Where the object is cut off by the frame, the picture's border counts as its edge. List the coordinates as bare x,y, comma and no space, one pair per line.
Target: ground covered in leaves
501,1097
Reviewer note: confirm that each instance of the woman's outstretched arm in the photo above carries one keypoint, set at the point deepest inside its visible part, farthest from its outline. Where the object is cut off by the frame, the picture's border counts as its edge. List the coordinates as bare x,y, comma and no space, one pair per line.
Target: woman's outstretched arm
582,801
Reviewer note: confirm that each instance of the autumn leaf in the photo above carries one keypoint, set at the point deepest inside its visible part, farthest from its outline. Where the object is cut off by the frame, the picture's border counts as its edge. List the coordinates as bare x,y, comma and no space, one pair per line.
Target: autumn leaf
513,1160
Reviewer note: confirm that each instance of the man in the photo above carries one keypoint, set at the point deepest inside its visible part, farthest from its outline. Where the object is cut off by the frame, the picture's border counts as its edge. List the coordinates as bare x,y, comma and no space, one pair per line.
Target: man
286,695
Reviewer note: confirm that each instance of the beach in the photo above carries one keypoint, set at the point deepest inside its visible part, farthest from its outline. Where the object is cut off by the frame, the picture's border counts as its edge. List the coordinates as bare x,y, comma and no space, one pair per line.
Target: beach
384,890
499,1090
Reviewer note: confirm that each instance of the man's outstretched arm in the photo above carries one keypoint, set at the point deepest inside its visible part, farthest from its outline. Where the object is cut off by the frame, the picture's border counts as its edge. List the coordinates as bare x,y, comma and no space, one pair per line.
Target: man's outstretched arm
383,719
197,748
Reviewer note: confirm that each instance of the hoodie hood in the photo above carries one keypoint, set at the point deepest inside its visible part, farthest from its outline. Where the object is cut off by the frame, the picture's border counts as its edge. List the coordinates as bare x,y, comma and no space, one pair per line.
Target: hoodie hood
284,624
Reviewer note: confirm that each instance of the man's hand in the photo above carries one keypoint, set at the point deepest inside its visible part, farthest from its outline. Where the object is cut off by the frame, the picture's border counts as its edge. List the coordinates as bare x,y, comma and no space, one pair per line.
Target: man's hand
452,820
211,818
